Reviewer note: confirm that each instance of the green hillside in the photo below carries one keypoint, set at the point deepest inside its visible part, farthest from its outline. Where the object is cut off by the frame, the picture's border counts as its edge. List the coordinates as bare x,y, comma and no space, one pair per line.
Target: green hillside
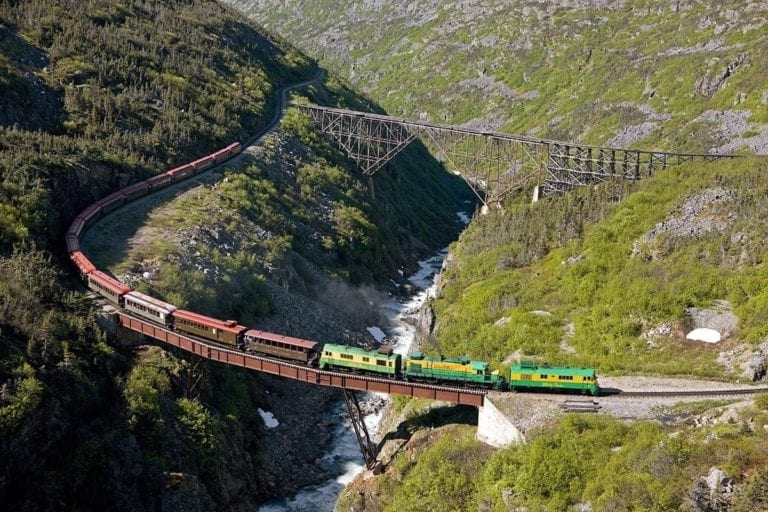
95,96
686,75
611,276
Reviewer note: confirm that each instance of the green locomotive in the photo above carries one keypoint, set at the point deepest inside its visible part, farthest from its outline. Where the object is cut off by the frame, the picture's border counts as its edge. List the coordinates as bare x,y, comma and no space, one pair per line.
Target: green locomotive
528,374
382,361
437,368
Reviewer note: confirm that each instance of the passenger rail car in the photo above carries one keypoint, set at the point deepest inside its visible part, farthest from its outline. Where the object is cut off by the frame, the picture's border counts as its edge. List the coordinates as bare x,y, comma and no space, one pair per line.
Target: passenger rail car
107,286
222,331
149,307
278,345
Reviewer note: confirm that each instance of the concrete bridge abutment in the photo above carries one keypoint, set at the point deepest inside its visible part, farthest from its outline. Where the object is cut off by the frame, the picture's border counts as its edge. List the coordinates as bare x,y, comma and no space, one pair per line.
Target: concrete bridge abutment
496,429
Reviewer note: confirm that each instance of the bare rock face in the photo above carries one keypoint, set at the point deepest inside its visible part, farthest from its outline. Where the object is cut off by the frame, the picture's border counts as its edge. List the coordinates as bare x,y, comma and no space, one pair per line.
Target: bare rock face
703,213
751,364
755,366
713,492
425,325
719,318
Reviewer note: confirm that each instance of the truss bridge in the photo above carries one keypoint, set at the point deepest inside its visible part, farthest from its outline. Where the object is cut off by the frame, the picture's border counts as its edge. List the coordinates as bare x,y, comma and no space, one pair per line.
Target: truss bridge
493,164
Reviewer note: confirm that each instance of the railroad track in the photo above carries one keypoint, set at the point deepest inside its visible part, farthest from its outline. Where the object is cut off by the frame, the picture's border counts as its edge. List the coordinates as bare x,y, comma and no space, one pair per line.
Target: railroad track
706,393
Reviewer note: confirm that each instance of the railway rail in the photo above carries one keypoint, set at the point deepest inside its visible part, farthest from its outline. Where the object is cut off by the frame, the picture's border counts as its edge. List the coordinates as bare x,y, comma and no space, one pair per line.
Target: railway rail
309,374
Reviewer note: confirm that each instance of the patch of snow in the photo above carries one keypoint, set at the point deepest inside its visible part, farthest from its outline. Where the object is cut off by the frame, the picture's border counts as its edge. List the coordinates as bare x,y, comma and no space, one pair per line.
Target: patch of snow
377,333
269,419
704,334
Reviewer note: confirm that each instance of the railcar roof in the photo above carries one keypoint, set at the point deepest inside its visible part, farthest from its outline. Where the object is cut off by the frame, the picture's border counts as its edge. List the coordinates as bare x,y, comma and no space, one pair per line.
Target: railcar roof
344,349
228,325
146,300
297,342
98,275
528,367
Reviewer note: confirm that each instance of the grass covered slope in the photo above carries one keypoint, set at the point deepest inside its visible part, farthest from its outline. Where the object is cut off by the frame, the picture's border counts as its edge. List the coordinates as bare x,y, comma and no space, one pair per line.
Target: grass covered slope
582,279
294,215
679,75
579,463
99,95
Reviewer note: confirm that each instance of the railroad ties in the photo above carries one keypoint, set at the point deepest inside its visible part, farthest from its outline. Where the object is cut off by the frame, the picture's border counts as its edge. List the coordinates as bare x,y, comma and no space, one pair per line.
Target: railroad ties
580,406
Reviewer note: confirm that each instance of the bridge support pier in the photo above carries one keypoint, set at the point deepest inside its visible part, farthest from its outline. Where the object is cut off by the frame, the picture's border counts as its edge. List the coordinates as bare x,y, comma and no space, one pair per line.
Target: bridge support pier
195,376
494,428
367,447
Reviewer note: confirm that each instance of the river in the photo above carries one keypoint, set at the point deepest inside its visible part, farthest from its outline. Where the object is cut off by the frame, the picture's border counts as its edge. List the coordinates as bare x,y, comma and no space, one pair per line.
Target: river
344,459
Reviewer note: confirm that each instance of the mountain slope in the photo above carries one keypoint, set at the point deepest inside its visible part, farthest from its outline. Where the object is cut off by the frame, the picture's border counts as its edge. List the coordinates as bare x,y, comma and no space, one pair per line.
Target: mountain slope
100,95
683,75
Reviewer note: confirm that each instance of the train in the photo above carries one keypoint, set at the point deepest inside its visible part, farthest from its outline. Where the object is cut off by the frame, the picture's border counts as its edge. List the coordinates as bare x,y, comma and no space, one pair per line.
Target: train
382,362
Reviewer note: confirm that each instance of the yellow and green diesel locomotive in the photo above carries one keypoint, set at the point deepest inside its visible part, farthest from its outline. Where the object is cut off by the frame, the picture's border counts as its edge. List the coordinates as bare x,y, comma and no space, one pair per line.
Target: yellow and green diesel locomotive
529,375
459,369
382,361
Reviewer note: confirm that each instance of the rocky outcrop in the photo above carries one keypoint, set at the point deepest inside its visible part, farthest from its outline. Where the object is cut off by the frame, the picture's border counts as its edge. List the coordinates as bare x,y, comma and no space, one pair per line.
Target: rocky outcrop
713,492
710,210
425,325
750,364
719,318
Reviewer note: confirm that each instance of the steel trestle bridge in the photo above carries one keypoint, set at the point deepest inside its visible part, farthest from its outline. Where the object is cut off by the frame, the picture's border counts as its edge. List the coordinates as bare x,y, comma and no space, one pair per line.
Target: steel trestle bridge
493,164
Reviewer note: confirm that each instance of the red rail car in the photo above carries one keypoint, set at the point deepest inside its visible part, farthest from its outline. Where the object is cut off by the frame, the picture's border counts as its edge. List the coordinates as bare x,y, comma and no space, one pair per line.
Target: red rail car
77,226
83,264
223,331
160,181
107,286
91,214
281,346
179,173
135,191
204,163
234,148
111,202
73,243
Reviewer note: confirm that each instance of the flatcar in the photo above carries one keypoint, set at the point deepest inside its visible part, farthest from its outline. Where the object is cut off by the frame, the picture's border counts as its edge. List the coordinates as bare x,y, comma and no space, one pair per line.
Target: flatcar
278,345
107,286
149,308
462,369
529,375
381,361
222,331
